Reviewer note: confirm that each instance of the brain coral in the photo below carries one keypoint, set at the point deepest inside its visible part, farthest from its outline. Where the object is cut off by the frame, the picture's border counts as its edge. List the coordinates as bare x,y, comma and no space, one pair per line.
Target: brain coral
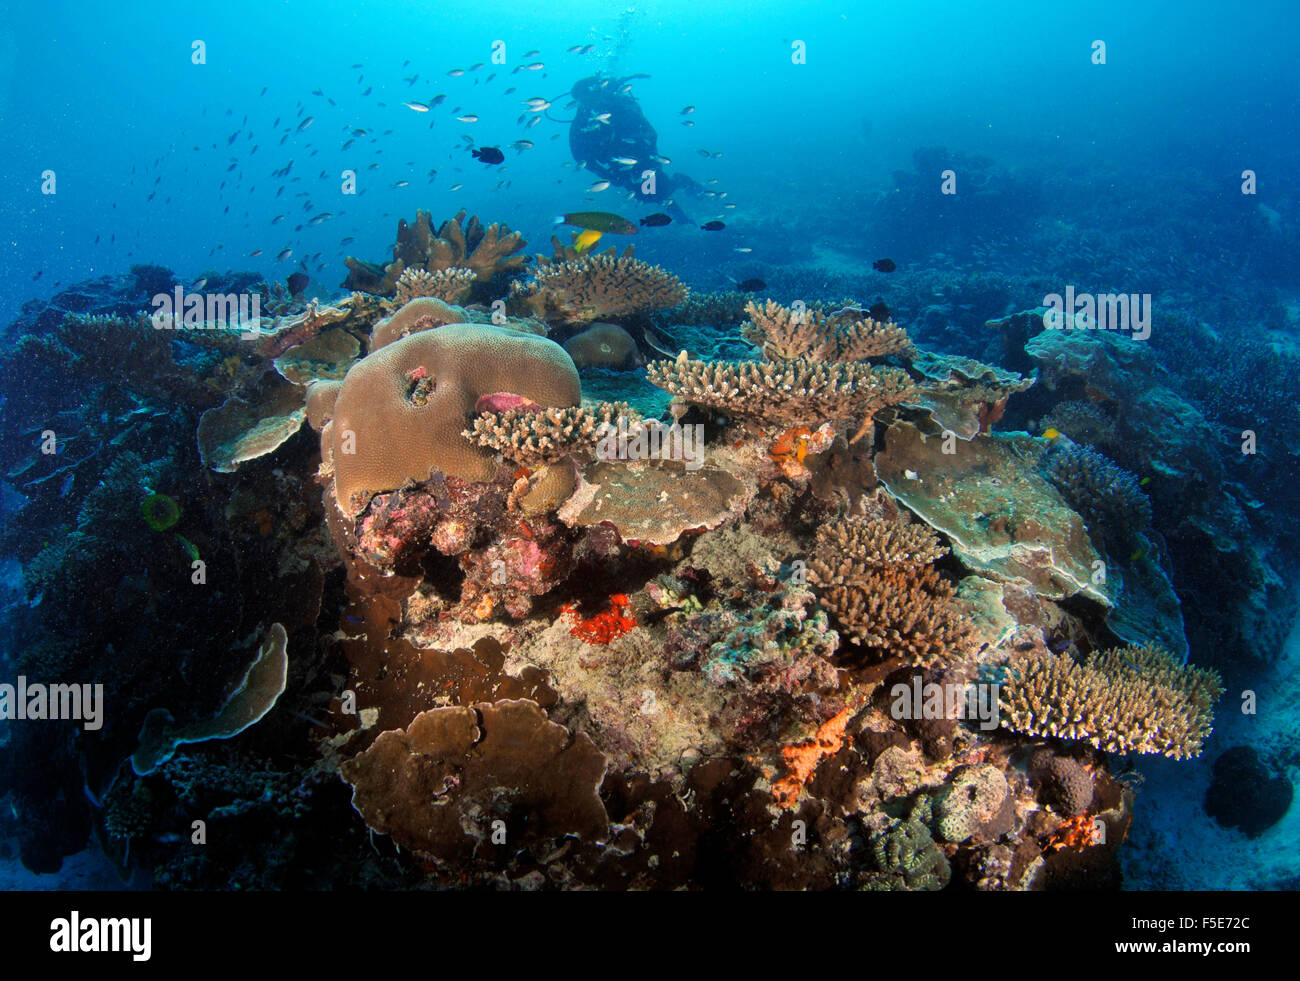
401,410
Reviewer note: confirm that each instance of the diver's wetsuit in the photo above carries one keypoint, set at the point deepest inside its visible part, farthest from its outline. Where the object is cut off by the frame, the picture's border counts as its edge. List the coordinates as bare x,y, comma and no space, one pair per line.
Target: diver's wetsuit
626,133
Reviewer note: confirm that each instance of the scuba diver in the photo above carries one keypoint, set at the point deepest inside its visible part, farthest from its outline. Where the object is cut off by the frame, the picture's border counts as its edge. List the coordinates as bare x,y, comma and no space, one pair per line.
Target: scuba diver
611,137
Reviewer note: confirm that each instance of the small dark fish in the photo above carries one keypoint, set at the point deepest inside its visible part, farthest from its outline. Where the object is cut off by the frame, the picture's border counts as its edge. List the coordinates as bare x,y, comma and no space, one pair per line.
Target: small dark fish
305,123
751,286
39,274
660,342
655,220
713,226
298,282
488,155
884,265
879,311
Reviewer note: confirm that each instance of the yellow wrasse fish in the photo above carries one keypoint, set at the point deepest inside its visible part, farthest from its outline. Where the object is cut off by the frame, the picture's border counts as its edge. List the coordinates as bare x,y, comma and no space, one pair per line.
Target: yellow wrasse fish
586,239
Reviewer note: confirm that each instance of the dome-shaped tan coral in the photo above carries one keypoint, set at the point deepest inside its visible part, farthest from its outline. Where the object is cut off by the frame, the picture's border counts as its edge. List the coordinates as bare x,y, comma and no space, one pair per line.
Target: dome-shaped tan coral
400,412
422,313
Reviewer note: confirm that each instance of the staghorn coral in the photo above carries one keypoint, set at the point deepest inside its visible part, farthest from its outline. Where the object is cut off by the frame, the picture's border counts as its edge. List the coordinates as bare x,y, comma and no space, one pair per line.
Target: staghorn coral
595,286
1124,700
485,252
536,436
450,285
783,393
847,334
1109,499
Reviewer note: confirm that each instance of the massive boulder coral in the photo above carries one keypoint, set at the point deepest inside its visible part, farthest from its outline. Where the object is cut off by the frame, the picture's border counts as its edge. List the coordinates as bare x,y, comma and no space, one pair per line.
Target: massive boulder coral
456,245
399,413
1125,700
598,286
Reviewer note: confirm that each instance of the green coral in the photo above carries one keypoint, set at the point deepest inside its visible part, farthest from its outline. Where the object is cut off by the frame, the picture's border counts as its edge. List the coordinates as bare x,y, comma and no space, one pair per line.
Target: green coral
906,858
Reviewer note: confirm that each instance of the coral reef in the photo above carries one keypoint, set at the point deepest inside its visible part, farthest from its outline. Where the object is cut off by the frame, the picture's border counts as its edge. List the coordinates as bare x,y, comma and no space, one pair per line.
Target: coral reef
452,284
473,781
847,334
1128,699
906,858
784,393
262,685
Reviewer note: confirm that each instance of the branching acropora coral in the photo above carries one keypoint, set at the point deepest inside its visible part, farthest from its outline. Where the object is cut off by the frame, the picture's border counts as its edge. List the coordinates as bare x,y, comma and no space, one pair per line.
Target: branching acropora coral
598,286
847,550
1135,699
848,334
875,578
449,285
1108,498
783,393
537,436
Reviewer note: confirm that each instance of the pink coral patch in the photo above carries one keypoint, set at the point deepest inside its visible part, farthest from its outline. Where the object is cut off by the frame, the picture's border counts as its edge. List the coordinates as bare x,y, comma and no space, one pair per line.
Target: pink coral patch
503,401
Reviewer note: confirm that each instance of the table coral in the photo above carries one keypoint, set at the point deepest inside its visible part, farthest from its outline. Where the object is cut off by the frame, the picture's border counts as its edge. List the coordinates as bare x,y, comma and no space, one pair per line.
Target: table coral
596,286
